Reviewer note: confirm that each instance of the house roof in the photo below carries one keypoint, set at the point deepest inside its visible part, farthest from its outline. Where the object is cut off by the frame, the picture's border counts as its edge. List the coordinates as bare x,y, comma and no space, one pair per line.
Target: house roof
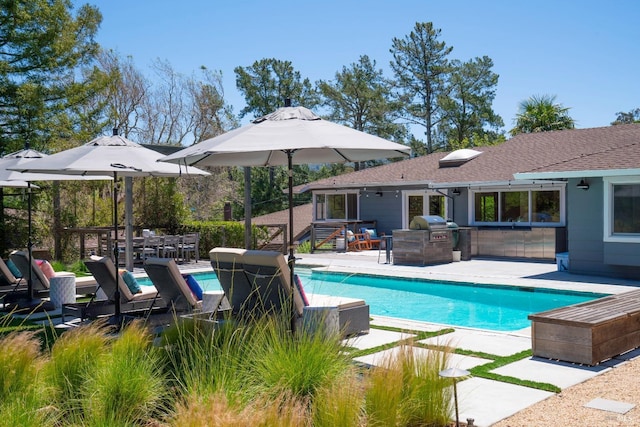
302,217
543,155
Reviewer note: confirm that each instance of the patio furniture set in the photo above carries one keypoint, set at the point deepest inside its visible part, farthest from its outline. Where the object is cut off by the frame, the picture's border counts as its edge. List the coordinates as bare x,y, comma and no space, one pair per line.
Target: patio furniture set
182,248
254,283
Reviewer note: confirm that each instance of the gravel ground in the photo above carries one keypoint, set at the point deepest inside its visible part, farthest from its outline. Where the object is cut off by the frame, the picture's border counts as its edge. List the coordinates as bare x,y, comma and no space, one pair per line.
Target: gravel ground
621,384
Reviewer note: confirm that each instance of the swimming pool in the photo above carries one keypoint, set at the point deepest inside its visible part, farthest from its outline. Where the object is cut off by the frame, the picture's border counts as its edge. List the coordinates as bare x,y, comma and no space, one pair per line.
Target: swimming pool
493,307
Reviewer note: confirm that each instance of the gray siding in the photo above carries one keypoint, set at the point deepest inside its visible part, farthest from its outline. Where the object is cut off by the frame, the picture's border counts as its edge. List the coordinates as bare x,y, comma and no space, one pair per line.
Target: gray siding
588,253
386,210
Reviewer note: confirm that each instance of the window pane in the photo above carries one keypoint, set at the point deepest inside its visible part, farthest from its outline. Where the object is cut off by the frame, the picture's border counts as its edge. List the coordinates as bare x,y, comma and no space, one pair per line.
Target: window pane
336,208
546,206
515,206
352,206
436,205
486,207
626,208
416,207
320,200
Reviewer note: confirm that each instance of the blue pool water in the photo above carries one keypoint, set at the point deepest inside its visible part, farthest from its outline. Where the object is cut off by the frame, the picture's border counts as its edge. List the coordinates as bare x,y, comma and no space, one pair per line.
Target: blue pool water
493,307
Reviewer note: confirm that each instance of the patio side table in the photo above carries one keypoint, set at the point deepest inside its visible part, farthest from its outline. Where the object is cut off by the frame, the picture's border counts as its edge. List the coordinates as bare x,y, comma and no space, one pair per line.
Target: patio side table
62,289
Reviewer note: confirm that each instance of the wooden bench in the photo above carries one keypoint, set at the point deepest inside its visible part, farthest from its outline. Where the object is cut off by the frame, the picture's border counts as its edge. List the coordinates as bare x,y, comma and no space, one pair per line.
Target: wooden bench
590,332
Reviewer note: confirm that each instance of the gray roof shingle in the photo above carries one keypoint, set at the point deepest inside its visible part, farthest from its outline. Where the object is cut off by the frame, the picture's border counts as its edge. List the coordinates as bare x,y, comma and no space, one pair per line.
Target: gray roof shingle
594,149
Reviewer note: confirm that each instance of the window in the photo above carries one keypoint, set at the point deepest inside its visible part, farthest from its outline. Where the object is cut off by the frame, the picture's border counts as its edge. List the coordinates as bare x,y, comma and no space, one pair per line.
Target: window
338,206
418,203
626,209
622,209
520,206
515,206
486,207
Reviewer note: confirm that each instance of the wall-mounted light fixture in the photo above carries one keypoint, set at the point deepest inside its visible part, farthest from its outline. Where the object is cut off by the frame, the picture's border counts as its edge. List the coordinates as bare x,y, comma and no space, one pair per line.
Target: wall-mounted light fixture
583,185
455,192
378,193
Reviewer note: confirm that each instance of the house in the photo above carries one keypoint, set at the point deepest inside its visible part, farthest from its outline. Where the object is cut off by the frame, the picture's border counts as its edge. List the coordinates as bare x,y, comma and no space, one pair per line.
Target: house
535,195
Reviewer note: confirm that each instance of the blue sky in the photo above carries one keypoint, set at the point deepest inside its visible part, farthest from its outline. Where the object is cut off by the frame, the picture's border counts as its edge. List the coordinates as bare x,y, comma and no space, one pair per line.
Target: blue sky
586,53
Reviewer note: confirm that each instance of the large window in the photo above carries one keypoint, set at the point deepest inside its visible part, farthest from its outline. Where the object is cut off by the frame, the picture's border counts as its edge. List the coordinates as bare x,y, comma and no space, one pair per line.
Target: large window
521,206
622,209
336,206
626,209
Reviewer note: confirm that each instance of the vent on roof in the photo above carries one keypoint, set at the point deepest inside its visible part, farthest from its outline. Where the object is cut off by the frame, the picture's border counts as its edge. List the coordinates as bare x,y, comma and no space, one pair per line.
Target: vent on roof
458,157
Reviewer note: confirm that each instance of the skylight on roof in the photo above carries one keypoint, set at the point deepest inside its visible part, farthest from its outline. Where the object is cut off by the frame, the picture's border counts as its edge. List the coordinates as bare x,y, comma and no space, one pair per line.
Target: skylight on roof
458,157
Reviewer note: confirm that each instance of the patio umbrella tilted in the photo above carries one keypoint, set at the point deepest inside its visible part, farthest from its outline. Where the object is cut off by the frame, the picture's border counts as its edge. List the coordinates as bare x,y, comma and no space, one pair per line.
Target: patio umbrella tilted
12,178
114,156
288,136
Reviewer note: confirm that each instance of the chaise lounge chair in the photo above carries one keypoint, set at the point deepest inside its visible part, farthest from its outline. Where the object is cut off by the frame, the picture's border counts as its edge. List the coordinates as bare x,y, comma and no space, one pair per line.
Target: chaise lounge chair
166,277
266,287
39,281
108,279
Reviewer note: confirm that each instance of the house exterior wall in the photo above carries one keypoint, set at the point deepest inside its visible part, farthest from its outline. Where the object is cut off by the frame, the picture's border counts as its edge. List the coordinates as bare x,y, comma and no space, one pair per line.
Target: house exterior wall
385,210
588,253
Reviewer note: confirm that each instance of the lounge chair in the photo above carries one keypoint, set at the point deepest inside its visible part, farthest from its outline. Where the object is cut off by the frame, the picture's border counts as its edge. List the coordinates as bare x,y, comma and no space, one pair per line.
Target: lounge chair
7,280
265,287
227,264
108,279
166,277
39,281
10,284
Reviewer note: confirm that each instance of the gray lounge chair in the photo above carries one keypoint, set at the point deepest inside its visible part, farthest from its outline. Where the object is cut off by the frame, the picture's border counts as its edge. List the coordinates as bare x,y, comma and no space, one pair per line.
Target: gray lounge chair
7,279
39,281
166,277
107,279
267,287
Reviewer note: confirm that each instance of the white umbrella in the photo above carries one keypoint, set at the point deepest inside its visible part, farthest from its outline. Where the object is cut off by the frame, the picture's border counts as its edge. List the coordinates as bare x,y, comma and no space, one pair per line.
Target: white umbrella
288,136
13,178
112,155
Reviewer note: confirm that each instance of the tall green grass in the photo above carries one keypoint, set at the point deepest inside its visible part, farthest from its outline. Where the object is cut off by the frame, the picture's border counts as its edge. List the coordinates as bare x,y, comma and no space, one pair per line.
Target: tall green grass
281,362
22,394
128,385
407,390
73,359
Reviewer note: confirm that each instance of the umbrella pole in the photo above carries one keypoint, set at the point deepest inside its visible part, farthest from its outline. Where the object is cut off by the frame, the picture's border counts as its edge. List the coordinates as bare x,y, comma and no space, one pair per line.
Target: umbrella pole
292,258
30,295
116,294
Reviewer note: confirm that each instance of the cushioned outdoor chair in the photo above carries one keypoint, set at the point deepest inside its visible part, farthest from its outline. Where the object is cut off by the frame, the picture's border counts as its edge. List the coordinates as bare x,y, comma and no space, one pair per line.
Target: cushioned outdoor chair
39,280
10,284
228,266
8,281
173,288
108,279
266,288
371,236
357,241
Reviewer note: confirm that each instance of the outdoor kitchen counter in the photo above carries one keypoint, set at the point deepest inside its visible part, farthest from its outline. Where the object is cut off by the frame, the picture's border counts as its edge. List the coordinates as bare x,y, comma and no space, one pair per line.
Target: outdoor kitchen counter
422,247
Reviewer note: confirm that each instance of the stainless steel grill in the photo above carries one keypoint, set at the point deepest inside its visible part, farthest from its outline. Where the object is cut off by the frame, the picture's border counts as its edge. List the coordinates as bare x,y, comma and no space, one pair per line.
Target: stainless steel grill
428,222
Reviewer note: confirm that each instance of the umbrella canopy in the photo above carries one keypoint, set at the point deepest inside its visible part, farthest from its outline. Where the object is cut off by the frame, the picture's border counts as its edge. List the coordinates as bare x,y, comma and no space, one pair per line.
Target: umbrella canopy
268,140
288,136
13,178
112,155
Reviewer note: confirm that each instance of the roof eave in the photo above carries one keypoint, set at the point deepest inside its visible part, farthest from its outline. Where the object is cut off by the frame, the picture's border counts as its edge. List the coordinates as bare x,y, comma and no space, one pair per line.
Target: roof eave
591,173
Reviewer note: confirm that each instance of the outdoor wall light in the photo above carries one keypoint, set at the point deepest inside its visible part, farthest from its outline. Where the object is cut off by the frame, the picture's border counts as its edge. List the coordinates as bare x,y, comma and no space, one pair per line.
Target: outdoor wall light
378,193
583,185
456,192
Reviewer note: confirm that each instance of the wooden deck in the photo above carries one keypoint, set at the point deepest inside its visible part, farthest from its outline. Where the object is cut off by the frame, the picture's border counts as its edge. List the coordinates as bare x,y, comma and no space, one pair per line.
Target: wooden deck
589,332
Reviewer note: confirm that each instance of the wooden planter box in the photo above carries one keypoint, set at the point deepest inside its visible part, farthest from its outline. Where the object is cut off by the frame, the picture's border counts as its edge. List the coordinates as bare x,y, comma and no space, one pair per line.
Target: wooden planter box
590,332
